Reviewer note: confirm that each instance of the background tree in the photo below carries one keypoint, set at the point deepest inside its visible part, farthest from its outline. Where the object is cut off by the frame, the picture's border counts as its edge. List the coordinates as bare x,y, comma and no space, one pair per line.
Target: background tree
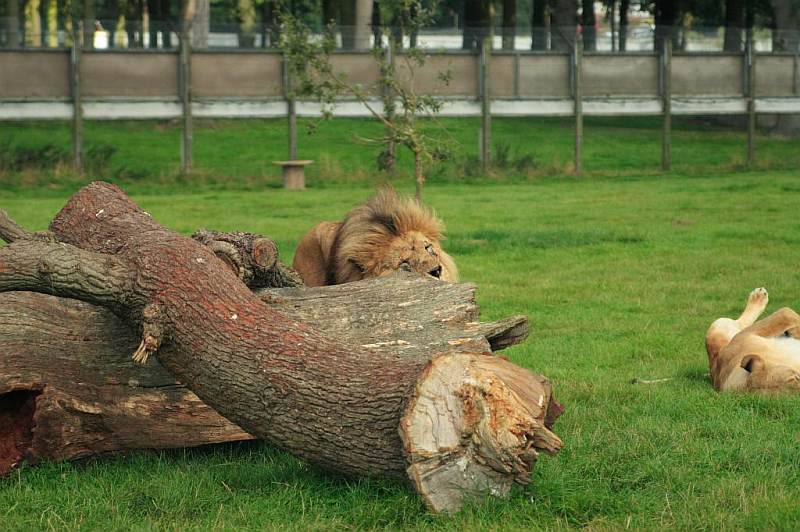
313,75
509,30
589,25
539,25
564,24
13,37
624,9
478,19
786,37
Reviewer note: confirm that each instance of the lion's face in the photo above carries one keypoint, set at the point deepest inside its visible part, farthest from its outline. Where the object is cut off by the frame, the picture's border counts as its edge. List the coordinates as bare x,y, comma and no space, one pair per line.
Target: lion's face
413,251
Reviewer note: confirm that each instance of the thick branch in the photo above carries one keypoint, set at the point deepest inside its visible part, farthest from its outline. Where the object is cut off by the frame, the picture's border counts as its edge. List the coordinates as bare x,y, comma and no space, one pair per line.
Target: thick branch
10,230
67,271
253,258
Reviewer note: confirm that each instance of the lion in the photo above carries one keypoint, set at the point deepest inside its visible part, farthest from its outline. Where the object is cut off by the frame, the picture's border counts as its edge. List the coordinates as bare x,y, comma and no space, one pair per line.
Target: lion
749,355
383,235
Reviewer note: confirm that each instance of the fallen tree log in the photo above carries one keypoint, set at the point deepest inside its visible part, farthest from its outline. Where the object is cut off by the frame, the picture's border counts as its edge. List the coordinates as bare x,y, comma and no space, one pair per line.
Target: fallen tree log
65,367
468,423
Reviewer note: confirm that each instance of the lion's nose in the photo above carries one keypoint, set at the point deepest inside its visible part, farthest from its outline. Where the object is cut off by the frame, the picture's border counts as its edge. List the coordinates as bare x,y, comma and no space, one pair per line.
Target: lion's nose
436,272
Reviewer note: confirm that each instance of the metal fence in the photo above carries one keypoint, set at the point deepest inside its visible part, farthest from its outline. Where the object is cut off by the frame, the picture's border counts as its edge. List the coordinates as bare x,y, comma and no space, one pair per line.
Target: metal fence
77,84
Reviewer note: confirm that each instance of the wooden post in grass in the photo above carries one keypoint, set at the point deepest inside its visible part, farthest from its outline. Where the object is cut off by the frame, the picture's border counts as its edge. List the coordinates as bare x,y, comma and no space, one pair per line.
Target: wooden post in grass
291,112
577,94
77,105
486,104
185,90
666,105
750,63
797,72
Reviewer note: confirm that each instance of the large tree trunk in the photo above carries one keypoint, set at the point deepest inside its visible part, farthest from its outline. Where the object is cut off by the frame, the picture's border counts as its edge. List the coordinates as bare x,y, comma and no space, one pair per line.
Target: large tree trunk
539,26
201,24
469,423
786,36
477,23
564,24
363,24
69,389
624,7
589,24
734,23
667,14
13,37
509,23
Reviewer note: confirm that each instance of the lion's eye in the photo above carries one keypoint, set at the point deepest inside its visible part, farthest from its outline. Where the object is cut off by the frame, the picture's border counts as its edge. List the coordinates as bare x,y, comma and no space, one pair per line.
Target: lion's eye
429,249
436,272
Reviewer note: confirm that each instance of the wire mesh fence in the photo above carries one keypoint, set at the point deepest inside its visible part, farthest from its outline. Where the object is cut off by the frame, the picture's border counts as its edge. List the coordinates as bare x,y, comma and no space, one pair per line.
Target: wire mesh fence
122,33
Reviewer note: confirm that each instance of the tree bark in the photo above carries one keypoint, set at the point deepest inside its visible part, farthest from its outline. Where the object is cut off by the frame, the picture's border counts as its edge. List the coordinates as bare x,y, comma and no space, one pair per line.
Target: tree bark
786,36
734,23
589,24
667,15
201,24
563,25
13,37
335,405
477,23
624,7
69,389
509,23
539,26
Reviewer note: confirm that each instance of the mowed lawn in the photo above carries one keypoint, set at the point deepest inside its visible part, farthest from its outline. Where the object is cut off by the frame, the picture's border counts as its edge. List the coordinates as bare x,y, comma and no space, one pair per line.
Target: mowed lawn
620,277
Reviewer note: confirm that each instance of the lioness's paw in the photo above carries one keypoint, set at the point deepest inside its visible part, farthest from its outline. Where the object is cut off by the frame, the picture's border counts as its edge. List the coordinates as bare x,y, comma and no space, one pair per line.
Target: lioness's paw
758,299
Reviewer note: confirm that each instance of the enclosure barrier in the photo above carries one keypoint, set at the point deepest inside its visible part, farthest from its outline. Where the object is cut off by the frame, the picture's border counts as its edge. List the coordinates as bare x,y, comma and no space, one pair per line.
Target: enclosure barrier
79,84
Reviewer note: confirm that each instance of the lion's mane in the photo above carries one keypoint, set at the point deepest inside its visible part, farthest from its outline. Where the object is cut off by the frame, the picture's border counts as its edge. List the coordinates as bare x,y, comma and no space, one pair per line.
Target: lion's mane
382,235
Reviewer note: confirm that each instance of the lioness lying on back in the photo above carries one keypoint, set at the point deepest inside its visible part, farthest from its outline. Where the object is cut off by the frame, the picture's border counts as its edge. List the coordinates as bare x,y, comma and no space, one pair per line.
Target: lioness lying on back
745,354
383,235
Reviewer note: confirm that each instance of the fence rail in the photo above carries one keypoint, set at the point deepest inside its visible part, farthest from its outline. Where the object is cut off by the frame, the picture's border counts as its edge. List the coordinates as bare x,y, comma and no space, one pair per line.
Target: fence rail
146,84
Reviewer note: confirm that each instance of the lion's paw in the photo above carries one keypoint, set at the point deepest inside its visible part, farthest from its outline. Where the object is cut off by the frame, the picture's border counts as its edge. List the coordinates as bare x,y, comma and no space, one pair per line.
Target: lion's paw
758,299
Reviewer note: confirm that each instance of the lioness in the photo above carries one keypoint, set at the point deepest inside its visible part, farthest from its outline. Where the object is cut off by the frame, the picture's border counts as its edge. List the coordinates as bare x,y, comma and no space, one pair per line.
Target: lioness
745,354
383,235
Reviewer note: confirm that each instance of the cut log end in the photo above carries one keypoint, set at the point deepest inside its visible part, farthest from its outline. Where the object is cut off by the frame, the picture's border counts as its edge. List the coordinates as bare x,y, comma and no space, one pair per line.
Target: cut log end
468,431
17,409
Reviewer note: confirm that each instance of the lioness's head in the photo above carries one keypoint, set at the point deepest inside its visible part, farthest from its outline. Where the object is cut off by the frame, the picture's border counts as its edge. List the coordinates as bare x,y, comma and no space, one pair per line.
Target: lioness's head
389,233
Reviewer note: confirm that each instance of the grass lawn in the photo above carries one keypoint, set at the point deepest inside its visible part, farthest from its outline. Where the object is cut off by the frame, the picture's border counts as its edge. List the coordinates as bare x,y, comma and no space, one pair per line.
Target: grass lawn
620,277
145,154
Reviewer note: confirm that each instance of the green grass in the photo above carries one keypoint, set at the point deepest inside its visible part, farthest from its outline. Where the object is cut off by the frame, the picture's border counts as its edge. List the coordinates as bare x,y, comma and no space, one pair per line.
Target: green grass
620,278
145,154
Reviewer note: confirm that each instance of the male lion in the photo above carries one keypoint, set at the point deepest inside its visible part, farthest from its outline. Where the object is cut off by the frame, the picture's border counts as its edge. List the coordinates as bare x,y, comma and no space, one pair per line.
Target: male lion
383,235
749,355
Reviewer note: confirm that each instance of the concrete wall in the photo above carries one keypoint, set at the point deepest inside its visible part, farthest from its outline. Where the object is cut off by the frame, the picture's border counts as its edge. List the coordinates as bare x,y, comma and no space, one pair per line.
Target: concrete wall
544,76
614,75
707,75
125,74
42,76
775,76
219,75
462,67
34,75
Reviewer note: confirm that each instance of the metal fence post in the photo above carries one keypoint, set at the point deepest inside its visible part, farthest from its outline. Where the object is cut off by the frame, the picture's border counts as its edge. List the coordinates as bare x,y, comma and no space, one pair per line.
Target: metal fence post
577,94
185,90
750,58
666,105
486,105
77,105
291,112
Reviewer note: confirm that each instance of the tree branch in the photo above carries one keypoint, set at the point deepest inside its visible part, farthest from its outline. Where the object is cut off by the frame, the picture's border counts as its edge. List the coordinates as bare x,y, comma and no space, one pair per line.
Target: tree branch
67,271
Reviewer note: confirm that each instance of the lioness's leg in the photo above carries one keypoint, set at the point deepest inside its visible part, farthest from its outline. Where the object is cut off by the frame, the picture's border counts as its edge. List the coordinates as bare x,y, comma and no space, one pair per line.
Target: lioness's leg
783,321
723,330
756,304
